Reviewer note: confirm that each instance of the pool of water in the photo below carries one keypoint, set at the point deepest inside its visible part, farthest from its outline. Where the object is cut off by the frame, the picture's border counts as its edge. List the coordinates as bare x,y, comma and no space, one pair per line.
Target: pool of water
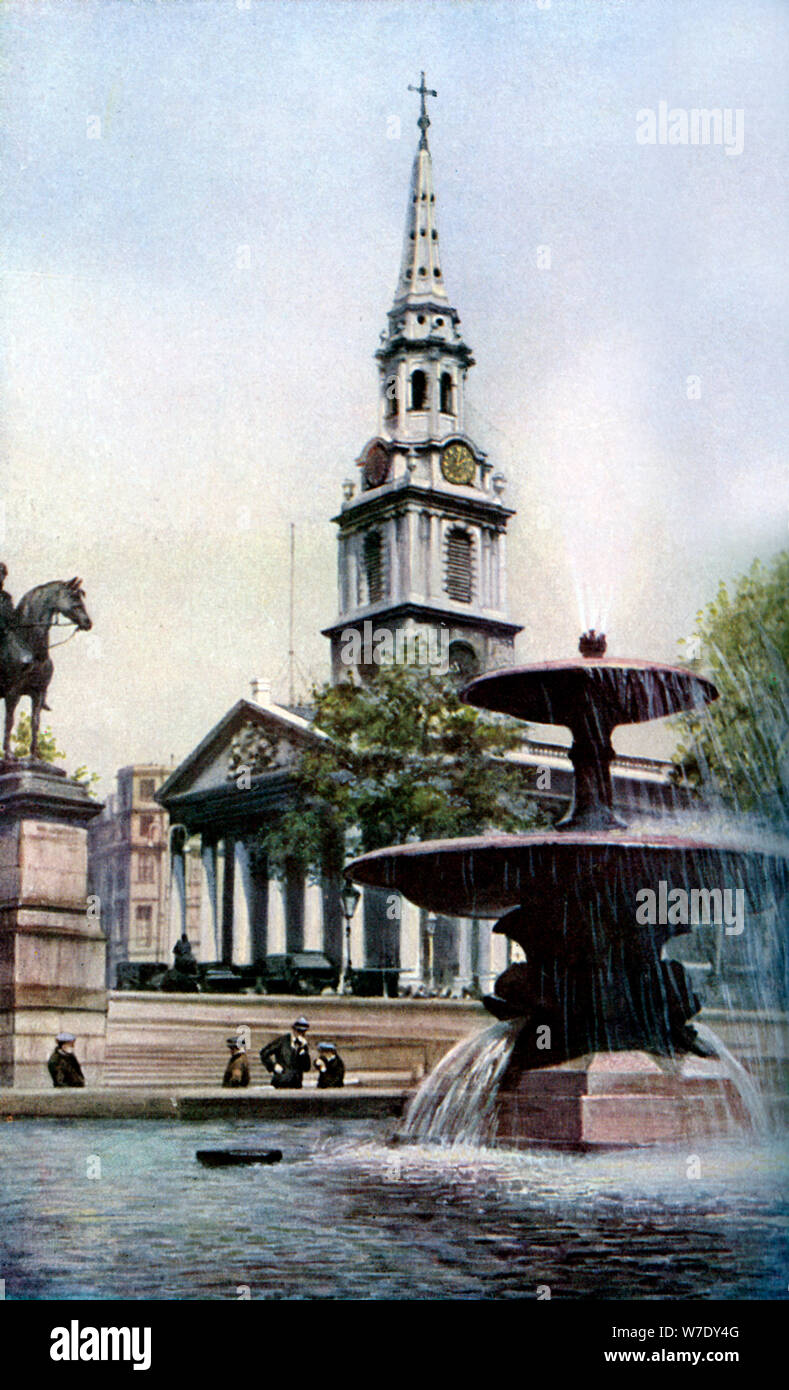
104,1209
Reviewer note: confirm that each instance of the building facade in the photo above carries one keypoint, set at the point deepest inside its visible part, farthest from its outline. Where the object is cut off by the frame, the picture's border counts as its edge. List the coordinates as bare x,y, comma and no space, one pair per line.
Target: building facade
422,530
129,871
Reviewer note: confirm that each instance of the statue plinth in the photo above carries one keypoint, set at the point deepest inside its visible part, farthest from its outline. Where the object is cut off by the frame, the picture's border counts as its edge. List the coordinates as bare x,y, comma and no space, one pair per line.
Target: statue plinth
52,948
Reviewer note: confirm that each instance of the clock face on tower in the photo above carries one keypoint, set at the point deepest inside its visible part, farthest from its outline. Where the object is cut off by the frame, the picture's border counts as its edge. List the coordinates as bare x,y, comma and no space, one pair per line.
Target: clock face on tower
458,464
376,465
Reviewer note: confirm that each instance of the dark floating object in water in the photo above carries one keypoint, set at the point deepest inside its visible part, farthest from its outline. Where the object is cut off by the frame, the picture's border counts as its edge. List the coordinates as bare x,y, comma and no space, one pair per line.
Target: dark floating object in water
230,1158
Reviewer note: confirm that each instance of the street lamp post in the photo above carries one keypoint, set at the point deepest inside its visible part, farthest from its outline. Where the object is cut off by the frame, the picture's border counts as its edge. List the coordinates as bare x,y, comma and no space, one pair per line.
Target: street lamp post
349,898
430,928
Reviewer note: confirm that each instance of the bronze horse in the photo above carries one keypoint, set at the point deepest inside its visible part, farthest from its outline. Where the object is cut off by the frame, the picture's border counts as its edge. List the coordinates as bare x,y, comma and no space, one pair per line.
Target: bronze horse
25,664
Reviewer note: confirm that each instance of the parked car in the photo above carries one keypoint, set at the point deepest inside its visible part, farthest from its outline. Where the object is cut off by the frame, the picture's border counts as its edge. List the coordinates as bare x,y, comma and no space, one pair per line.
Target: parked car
134,974
216,978
300,972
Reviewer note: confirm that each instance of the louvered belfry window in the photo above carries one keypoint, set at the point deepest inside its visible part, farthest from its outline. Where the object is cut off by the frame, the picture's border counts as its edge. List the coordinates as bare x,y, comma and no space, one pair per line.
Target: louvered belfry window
459,566
374,566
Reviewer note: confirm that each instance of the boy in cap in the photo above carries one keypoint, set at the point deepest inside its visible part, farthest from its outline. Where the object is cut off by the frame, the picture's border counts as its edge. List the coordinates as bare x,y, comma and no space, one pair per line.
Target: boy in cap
237,1069
64,1068
288,1057
330,1067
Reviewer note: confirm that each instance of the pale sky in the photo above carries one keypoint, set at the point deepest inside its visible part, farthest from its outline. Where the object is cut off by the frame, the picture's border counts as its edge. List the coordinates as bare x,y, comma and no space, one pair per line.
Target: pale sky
203,210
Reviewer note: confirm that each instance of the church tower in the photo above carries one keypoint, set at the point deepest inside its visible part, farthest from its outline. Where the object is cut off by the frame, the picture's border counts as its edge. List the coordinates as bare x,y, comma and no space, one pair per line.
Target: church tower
422,568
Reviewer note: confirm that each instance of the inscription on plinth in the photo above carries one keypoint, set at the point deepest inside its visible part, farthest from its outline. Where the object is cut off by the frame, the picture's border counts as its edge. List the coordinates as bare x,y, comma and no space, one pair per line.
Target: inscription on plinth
52,949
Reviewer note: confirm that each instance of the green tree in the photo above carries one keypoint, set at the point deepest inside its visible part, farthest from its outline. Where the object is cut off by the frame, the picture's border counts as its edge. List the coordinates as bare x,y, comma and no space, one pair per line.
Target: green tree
48,751
399,758
739,748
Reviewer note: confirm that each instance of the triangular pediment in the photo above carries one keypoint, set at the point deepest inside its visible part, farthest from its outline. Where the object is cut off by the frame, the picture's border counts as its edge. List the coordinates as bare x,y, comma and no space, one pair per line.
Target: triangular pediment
275,736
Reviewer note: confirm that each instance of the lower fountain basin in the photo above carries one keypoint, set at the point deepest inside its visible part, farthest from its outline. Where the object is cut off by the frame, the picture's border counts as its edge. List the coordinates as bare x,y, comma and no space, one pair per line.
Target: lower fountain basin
615,1100
486,876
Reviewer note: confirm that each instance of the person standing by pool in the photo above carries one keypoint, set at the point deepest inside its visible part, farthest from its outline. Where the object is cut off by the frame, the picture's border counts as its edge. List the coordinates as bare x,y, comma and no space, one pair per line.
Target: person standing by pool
329,1066
63,1065
288,1057
237,1069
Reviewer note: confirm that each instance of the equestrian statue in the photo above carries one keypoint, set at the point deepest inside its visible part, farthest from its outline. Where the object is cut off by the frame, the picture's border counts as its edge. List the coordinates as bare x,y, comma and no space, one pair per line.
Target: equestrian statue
25,664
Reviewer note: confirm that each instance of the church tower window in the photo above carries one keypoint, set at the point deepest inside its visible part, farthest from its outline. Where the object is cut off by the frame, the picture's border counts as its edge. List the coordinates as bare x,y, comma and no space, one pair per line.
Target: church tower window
459,577
418,390
446,394
374,567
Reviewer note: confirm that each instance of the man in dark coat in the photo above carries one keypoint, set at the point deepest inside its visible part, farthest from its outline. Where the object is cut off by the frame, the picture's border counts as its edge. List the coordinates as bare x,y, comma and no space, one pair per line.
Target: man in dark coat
12,647
64,1068
237,1069
288,1057
329,1066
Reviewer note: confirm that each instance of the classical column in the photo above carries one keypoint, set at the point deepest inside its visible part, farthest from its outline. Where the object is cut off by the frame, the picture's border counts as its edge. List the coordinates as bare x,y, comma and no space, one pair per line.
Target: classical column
462,979
342,574
333,921
313,917
498,953
481,967
485,594
210,942
432,370
242,915
392,549
402,394
276,918
409,943
358,958
294,908
500,567
177,913
423,552
404,550
349,566
478,576
228,858
436,557
259,892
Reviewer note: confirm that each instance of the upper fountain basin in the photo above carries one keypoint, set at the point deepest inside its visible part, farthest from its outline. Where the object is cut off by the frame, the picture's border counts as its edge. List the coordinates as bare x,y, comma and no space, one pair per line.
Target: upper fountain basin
486,875
563,692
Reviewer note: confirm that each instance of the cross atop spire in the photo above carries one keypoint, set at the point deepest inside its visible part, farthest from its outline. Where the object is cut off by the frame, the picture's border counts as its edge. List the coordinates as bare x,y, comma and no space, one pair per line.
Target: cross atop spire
424,119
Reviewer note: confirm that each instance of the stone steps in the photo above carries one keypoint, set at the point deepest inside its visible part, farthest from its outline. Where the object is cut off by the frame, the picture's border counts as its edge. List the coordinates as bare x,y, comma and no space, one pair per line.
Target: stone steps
153,1079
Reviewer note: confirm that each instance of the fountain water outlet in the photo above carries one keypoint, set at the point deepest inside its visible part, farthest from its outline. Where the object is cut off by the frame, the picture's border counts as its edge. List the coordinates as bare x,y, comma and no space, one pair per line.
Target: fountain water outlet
602,1050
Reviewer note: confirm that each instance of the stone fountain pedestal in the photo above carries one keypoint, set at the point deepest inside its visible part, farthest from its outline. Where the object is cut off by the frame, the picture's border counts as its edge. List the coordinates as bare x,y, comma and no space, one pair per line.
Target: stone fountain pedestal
611,1100
52,948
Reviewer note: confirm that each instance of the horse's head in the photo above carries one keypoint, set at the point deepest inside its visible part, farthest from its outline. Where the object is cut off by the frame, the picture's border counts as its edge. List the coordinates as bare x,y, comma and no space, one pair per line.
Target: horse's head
70,602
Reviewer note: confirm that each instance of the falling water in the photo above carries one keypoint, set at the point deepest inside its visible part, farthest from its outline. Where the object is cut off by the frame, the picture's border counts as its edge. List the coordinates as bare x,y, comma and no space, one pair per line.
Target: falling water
456,1103
746,1087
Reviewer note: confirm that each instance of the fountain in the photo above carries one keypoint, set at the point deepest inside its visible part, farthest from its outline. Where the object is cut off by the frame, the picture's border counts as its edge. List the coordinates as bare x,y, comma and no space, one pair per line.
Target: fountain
603,1052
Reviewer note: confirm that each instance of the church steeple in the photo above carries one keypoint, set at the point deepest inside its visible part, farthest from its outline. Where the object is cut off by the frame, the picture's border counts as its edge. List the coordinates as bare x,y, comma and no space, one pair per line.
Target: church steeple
421,277
422,545
423,359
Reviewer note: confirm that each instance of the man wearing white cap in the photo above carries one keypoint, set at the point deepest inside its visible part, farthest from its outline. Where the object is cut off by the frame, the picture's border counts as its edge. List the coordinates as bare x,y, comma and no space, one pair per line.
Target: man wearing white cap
237,1069
64,1068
